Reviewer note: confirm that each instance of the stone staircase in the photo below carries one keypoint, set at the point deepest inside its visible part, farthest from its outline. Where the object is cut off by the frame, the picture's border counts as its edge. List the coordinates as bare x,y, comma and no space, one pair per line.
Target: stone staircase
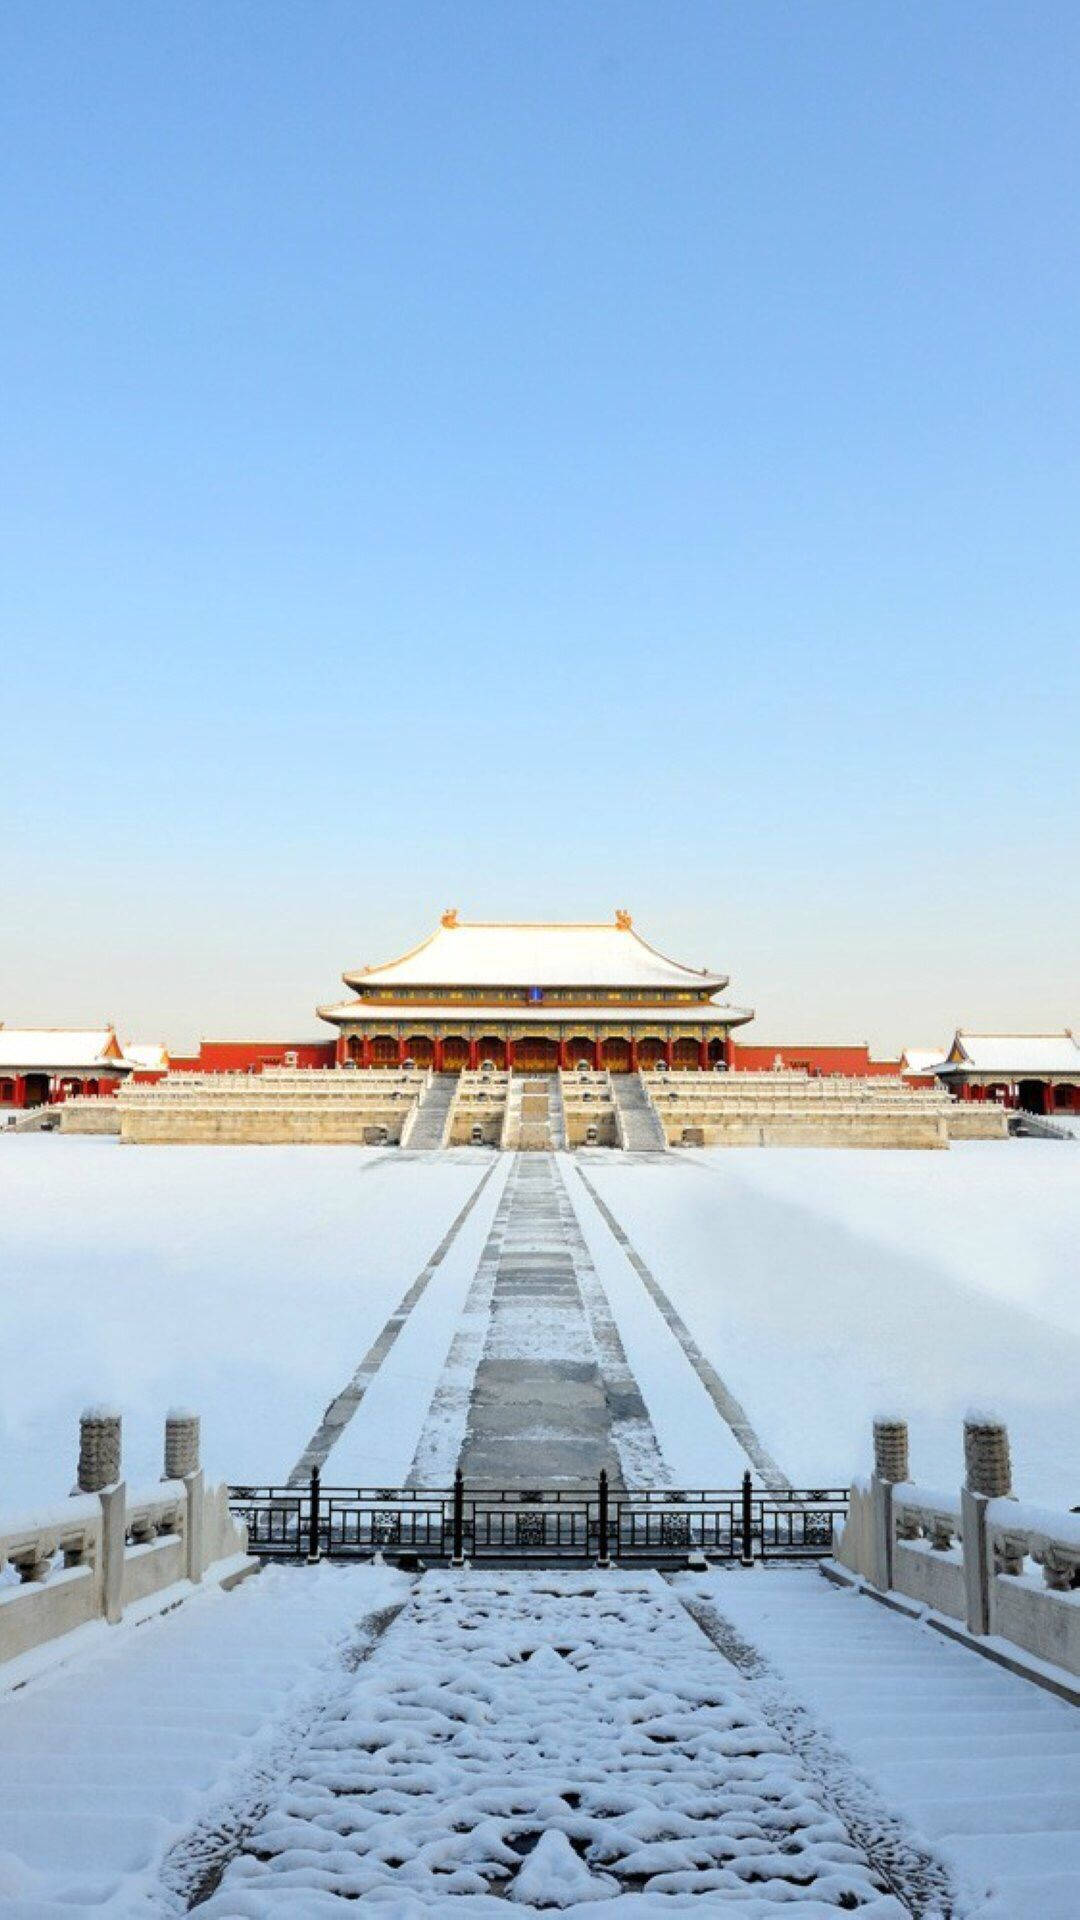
527,1128
637,1120
427,1130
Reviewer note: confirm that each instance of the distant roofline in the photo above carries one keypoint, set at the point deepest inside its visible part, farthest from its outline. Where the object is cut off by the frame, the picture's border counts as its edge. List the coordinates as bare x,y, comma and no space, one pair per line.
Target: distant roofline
449,923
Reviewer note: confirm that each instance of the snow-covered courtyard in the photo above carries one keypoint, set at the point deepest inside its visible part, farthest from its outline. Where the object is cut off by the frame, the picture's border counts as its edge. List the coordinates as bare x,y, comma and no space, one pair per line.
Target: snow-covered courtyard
463,1739
251,1283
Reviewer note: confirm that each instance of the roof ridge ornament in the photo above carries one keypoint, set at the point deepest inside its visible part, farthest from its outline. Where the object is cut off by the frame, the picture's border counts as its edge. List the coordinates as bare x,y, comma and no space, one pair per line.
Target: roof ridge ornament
449,918
623,920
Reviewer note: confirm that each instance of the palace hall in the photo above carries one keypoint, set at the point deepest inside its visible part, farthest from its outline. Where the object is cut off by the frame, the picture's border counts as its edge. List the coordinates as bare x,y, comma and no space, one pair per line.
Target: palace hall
535,998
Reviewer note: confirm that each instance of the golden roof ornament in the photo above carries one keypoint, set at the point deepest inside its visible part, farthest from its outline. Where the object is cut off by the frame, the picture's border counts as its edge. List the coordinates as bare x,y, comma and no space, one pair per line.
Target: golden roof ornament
449,918
623,920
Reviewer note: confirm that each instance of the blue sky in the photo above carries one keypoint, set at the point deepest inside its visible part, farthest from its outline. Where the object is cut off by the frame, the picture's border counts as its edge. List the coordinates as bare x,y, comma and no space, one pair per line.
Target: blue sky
540,458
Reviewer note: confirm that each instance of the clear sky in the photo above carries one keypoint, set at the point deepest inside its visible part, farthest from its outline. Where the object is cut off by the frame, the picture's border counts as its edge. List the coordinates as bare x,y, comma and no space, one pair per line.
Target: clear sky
540,458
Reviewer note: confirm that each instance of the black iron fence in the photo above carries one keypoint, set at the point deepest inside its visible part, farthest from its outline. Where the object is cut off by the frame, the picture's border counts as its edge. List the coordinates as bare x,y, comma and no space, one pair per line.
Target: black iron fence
654,1526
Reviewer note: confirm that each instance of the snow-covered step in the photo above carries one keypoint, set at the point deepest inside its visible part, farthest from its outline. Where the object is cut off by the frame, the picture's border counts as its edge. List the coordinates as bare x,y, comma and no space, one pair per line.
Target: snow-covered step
425,1130
984,1766
107,1757
639,1124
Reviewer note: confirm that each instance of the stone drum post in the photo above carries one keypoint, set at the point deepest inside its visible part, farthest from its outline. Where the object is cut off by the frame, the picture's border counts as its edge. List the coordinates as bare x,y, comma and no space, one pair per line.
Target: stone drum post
182,1463
99,1472
99,1449
890,1469
181,1444
987,1476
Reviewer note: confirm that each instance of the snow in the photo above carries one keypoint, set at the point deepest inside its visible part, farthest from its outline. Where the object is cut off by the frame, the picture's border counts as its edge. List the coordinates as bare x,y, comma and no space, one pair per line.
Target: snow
569,1739
699,1449
250,1282
110,1759
506,955
244,1281
379,1444
1017,1056
48,1049
983,1765
825,1284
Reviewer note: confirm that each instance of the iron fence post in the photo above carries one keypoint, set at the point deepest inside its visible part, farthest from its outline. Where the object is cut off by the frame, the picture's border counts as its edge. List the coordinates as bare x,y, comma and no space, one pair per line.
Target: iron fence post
313,1519
603,1557
457,1558
747,1520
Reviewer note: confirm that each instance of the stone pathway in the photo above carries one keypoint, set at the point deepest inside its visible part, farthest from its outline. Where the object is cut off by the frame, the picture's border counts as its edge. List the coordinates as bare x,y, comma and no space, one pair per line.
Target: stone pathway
553,1400
554,1740
537,1390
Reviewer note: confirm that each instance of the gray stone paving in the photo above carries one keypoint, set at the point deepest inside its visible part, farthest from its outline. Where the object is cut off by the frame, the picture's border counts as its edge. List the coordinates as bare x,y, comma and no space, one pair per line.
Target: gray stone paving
552,1394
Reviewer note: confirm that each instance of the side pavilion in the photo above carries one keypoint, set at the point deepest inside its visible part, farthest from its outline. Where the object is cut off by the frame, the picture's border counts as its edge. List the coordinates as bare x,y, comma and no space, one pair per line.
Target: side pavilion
535,998
38,1064
1039,1072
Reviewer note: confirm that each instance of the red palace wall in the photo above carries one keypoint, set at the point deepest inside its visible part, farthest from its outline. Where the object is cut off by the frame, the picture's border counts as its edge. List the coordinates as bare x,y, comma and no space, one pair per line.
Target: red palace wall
853,1062
250,1056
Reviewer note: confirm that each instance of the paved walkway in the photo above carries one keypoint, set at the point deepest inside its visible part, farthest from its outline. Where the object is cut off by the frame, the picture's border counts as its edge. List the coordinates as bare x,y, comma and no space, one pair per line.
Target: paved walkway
553,1400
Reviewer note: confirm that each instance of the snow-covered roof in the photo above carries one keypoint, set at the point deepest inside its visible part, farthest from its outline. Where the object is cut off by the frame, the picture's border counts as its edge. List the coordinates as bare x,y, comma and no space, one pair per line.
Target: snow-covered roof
498,954
557,1013
1016,1056
51,1049
151,1056
921,1060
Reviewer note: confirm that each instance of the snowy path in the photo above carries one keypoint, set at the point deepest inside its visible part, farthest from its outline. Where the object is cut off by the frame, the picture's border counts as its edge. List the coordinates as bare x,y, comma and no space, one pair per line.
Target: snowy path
984,1766
560,1739
552,1399
142,1748
556,1739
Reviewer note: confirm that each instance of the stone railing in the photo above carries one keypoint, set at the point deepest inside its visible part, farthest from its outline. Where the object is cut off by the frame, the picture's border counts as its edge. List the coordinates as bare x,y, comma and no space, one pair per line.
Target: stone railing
1003,1569
107,1549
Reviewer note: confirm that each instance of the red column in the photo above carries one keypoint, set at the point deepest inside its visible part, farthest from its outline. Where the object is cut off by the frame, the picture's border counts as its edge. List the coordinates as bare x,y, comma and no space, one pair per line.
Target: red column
598,1060
703,1056
633,1053
365,1050
20,1090
340,1050
563,1062
402,1051
509,1053
669,1052
436,1053
729,1051
1048,1096
474,1055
